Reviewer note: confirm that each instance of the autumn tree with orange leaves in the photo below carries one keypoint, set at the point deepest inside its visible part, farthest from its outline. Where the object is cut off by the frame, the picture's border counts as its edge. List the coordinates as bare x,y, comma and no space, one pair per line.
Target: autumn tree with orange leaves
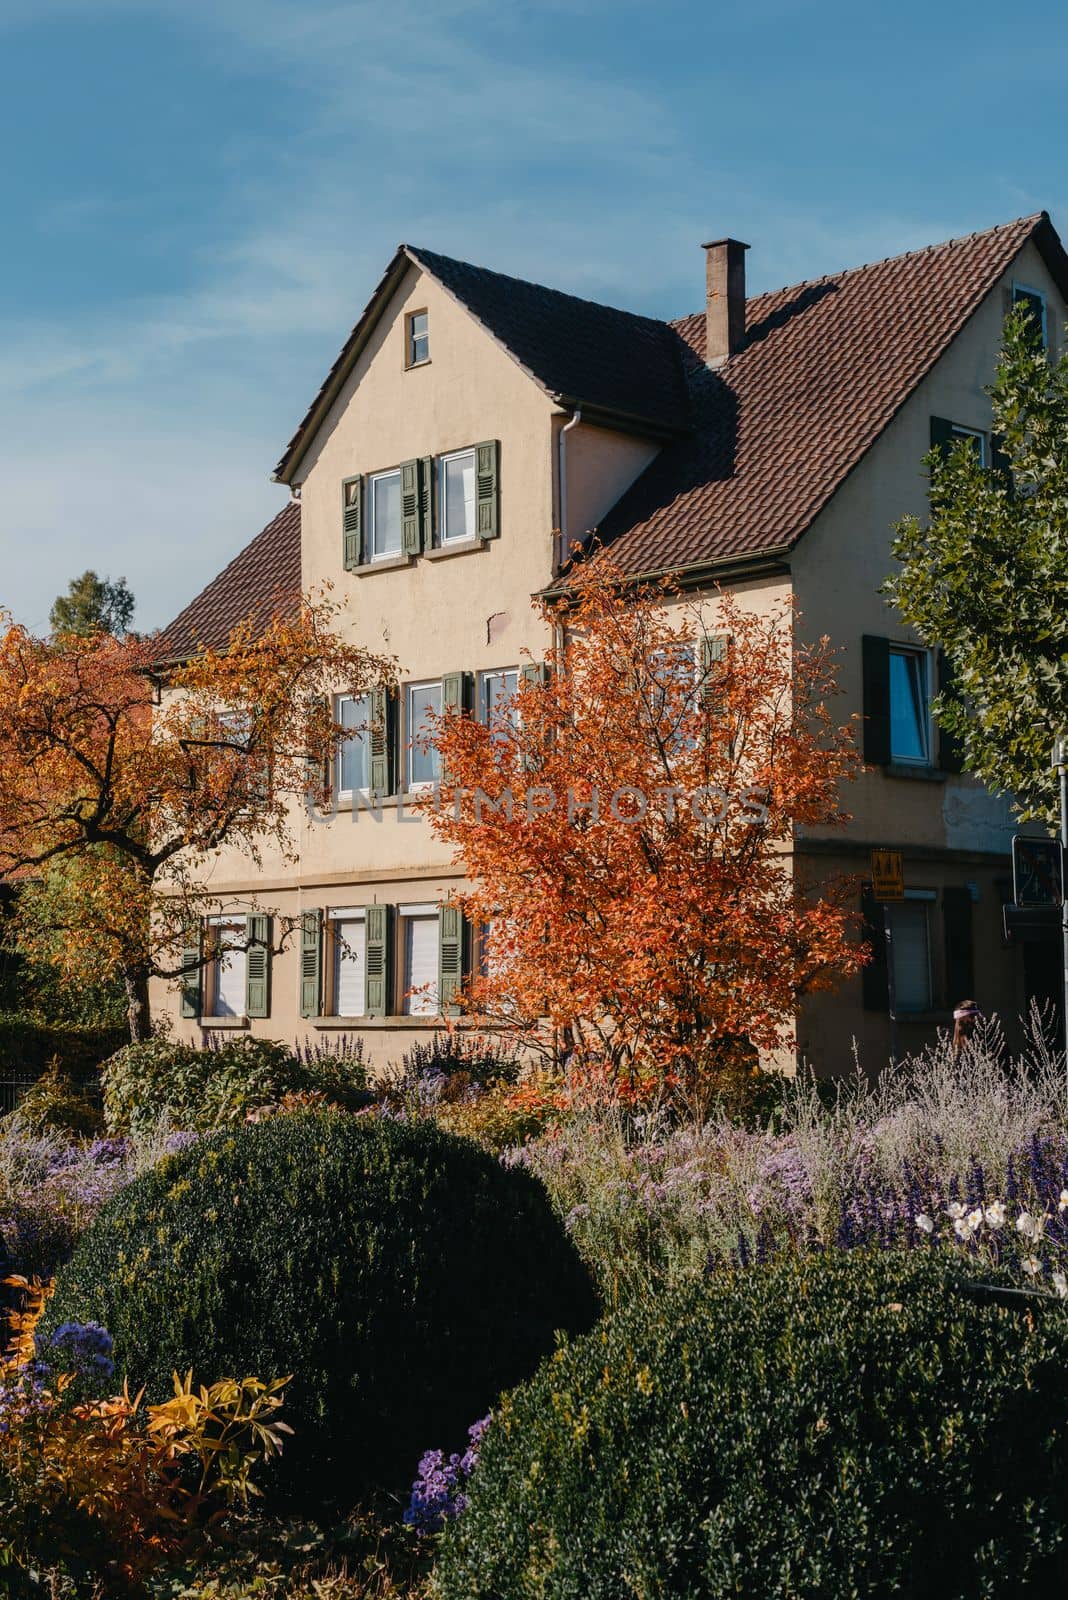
130,780
627,822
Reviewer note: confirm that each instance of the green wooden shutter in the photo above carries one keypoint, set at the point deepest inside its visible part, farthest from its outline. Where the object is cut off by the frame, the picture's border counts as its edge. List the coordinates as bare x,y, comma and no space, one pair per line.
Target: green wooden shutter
714,651
876,667
451,941
941,435
411,508
378,961
320,774
873,976
487,489
381,734
258,966
426,500
950,755
311,962
192,971
957,933
456,691
352,522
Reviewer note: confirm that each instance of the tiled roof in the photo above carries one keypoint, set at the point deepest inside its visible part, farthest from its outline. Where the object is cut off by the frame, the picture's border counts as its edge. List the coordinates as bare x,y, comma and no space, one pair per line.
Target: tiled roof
624,367
824,368
769,436
580,352
263,579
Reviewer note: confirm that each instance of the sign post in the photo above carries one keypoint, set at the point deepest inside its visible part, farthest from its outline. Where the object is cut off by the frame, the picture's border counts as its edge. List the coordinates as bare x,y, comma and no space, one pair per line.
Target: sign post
888,886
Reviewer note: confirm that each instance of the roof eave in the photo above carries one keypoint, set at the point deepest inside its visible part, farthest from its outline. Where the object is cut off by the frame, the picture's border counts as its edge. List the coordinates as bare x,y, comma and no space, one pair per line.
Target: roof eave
767,563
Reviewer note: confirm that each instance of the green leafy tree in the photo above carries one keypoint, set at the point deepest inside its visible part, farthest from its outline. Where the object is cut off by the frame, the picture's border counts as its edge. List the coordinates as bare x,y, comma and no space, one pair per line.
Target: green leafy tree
93,605
986,578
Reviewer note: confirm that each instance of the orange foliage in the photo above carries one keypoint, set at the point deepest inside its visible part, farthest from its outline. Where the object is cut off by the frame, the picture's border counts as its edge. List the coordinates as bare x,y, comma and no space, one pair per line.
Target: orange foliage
654,936
130,780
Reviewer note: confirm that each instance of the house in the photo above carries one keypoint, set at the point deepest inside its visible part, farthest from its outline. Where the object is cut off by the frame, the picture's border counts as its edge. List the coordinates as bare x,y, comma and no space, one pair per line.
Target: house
473,427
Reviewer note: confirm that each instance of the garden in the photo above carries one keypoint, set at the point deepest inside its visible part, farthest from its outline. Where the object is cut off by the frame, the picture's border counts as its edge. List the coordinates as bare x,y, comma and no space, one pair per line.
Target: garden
472,1331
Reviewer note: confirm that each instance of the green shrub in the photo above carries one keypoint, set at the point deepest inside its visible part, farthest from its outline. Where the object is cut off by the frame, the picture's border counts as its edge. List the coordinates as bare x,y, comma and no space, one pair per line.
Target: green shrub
147,1082
403,1277
28,1045
56,1102
843,1426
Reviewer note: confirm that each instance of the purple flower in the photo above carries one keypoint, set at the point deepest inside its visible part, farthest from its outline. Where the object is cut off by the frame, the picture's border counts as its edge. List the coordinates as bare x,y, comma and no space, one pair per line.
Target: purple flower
87,1345
437,1493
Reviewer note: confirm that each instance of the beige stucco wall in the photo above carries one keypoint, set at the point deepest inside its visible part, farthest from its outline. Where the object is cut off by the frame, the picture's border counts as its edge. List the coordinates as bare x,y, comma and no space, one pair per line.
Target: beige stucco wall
599,465
952,831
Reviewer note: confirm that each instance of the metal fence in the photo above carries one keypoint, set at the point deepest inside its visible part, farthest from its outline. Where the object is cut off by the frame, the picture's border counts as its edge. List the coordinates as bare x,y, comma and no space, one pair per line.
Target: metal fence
13,1085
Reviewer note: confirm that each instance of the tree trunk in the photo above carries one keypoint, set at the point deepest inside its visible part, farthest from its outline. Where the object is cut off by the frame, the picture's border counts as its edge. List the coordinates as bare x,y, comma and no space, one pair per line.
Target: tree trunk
138,1010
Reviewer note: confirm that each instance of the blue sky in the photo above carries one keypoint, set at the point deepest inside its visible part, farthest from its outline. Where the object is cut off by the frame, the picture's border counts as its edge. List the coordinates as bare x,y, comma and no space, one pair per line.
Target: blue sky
199,195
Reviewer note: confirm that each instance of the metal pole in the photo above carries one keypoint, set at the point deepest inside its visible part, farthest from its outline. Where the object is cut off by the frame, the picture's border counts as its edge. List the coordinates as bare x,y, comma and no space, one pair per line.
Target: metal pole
891,987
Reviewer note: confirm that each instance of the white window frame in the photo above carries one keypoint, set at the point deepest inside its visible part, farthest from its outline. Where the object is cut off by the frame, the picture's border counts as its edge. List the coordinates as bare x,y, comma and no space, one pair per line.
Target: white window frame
410,785
485,710
443,516
212,967
344,914
927,723
411,359
372,479
425,911
364,737
1040,296
957,430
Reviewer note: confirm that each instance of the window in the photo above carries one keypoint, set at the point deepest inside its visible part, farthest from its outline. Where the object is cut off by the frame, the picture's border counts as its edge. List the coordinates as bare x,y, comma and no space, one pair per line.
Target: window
424,762
911,948
418,339
672,685
496,700
910,719
354,751
348,951
384,508
456,477
419,935
229,968
1033,301
956,431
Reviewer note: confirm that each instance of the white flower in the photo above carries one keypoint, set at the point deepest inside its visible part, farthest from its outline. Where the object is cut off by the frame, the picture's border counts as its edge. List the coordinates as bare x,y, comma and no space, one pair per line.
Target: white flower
924,1222
1031,1227
1032,1265
1062,1203
994,1214
1060,1283
974,1218
955,1210
961,1228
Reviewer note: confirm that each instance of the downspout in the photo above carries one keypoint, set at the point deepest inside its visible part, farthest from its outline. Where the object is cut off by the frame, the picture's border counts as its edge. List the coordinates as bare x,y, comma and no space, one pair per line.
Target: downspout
561,478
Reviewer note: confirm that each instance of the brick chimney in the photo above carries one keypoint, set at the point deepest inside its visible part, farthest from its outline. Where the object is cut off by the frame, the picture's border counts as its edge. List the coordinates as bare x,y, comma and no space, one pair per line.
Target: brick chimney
724,299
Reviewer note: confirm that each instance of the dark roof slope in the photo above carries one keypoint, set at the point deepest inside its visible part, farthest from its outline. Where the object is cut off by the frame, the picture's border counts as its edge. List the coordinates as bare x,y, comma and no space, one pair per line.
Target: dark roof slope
615,364
581,353
261,581
824,368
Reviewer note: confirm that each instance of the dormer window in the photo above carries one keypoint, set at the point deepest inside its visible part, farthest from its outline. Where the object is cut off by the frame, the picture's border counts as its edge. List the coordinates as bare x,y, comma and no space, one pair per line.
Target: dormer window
418,328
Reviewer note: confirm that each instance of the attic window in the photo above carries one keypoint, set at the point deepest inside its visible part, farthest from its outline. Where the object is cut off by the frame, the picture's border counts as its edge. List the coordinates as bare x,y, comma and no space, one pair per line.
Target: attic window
1033,302
418,343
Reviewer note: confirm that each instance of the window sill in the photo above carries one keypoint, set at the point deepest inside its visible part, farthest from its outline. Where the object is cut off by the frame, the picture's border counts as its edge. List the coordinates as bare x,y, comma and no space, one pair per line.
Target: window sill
388,564
374,1024
224,1022
918,774
413,366
459,547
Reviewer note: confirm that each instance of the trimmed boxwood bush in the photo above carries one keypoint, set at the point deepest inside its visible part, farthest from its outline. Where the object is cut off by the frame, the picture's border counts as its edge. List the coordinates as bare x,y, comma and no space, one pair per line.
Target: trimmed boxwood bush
841,1426
402,1276
159,1079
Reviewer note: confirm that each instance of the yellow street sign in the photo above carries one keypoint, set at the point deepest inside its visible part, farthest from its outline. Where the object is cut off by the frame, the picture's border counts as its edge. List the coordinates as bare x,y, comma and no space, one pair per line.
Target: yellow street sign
887,875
